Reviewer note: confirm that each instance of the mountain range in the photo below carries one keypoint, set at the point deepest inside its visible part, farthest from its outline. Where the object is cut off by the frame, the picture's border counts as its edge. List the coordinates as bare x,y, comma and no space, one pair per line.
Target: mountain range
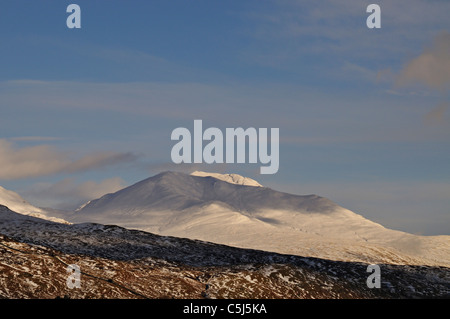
225,221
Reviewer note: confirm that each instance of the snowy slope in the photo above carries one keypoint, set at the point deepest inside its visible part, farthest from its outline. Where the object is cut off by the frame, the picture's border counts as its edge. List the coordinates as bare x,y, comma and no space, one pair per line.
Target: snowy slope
230,178
17,204
204,207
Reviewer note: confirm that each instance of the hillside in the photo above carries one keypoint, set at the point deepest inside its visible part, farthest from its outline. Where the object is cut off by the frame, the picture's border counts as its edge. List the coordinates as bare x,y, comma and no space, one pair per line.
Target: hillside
119,263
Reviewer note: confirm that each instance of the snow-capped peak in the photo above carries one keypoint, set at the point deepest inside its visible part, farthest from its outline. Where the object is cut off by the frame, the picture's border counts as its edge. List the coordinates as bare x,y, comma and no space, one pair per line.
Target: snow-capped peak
230,178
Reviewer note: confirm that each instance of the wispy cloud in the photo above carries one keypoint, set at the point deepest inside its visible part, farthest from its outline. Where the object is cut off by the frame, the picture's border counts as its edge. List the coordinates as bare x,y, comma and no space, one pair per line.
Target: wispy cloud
42,160
303,113
431,68
293,33
429,72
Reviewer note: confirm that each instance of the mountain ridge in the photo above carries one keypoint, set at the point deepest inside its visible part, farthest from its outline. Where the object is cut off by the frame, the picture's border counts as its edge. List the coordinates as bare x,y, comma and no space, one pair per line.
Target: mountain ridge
212,209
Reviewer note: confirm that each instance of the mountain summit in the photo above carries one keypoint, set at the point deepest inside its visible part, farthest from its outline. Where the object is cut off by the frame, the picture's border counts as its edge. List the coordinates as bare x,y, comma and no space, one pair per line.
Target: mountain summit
179,191
230,178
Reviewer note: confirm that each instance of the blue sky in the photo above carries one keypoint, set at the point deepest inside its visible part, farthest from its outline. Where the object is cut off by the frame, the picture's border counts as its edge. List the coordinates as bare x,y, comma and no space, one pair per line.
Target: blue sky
363,113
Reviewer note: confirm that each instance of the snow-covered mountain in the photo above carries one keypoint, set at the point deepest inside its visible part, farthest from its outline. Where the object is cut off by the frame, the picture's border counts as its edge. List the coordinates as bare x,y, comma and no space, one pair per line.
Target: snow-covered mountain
301,246
19,205
239,212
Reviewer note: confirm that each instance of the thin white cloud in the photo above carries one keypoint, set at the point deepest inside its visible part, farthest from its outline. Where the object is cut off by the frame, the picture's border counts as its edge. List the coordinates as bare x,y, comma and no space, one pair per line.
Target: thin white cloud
42,160
304,114
99,160
289,30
